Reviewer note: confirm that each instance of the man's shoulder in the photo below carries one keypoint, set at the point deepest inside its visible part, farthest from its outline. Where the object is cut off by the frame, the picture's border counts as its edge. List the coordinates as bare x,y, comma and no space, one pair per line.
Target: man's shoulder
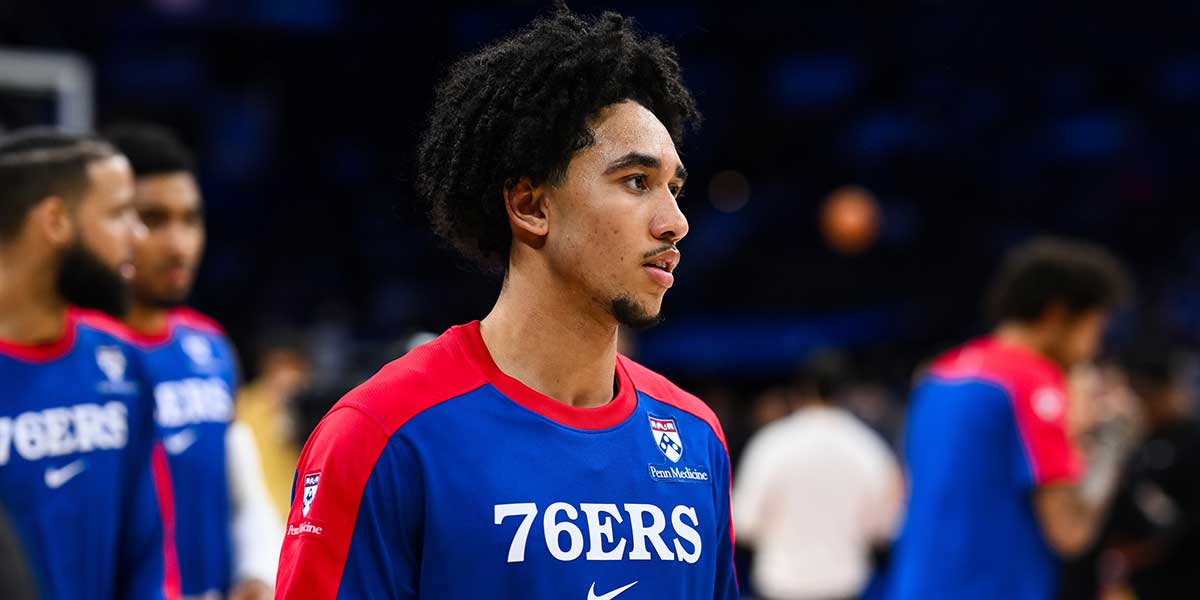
425,377
196,321
1017,370
663,390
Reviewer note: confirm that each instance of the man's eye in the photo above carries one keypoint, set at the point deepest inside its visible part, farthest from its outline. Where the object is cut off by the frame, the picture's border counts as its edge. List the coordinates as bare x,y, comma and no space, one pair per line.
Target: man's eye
676,190
637,182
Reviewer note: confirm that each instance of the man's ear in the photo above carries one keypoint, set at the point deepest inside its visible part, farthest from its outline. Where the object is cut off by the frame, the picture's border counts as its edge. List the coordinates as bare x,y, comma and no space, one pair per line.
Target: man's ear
51,220
526,213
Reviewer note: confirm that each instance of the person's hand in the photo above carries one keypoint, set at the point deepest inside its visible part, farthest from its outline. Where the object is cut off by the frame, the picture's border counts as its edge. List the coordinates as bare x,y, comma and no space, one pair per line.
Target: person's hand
251,589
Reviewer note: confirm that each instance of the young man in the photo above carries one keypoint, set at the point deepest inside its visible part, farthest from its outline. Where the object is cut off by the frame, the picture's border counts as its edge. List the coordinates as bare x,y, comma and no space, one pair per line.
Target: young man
76,420
521,456
998,489
227,534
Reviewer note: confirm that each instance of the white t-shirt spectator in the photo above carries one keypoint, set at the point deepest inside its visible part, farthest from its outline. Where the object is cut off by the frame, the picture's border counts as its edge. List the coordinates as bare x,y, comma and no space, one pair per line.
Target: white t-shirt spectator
814,493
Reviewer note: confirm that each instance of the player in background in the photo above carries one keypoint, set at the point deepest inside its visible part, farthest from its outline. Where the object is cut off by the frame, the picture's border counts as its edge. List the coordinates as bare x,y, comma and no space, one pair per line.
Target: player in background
999,490
521,456
227,532
80,476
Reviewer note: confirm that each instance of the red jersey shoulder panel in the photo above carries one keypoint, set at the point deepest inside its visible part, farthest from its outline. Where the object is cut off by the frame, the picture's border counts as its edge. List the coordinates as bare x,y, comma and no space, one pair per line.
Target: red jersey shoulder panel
428,375
660,388
1037,389
194,319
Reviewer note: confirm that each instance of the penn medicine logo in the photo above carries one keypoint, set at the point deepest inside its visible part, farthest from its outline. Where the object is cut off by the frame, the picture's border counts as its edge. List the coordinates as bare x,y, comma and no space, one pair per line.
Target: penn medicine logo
666,438
198,349
310,491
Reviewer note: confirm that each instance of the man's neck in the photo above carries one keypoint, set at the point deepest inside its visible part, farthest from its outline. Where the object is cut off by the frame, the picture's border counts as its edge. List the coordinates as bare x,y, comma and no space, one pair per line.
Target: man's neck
553,341
146,319
31,309
1024,336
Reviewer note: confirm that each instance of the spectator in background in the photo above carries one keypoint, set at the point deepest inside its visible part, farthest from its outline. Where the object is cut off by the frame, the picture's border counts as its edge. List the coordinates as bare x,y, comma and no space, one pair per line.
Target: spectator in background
16,580
816,492
1154,531
265,406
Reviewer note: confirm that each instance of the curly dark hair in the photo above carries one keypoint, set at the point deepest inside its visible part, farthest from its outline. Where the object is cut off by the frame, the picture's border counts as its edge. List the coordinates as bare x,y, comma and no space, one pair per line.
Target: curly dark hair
1044,271
520,108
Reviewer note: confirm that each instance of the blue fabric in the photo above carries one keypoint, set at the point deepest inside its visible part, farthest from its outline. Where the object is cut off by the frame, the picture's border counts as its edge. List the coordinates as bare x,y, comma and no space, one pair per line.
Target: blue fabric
459,467
970,531
75,477
194,375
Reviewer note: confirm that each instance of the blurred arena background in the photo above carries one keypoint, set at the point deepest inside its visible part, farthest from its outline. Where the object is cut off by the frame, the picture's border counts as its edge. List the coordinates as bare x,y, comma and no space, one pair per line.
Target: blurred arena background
860,171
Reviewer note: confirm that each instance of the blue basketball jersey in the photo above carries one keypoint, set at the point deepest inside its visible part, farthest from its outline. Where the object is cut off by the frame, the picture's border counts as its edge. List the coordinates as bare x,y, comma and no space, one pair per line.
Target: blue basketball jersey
80,475
442,477
193,370
986,427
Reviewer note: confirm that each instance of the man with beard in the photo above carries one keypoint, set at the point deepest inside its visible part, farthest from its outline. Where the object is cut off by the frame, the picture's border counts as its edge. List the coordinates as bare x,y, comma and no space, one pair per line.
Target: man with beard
79,474
550,156
228,533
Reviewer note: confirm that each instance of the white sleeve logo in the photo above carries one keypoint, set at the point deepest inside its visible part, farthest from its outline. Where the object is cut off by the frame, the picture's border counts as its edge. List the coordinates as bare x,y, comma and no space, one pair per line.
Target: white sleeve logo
1049,404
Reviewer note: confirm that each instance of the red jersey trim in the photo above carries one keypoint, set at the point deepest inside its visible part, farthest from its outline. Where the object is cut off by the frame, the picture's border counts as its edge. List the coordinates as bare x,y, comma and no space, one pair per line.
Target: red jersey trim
593,418
165,492
176,317
48,351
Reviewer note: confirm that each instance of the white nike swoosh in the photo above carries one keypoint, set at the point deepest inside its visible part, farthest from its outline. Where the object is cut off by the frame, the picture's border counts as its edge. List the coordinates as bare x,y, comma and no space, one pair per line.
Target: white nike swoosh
56,478
178,443
609,596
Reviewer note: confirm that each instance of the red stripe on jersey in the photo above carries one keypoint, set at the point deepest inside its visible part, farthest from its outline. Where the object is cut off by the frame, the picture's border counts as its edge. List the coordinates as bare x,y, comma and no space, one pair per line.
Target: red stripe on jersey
195,320
46,352
594,418
164,491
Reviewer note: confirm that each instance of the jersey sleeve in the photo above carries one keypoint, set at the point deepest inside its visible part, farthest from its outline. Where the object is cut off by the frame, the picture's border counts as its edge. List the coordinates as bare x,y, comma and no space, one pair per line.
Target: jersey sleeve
1047,455
148,564
354,525
726,587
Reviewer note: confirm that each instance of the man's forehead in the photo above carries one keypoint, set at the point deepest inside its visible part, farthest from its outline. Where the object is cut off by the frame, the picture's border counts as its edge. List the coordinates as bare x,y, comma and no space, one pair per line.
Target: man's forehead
629,127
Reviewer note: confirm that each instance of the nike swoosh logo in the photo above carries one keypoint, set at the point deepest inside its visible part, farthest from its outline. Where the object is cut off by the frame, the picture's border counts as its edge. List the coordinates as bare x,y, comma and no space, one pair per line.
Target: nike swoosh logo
56,478
178,443
609,596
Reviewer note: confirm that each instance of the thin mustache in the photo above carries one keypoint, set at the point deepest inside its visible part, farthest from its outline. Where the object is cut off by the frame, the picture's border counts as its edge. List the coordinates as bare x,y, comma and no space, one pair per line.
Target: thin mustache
654,253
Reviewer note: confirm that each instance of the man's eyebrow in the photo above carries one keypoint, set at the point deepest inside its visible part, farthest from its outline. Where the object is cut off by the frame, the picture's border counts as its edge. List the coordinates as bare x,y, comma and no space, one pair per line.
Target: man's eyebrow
637,159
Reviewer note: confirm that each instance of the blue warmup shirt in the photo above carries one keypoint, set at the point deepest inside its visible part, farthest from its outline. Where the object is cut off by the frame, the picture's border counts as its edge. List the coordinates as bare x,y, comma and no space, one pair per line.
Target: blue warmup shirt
442,477
193,370
986,427
80,474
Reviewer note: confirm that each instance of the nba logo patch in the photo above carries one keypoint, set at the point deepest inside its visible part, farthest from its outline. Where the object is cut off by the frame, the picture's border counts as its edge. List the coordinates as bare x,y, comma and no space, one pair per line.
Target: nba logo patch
310,491
666,437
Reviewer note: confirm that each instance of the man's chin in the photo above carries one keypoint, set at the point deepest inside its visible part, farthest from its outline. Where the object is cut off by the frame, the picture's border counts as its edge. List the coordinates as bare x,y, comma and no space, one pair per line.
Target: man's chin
635,315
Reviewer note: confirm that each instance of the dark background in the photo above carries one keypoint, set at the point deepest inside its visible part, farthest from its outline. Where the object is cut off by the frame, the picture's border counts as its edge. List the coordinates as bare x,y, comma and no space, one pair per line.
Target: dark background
975,126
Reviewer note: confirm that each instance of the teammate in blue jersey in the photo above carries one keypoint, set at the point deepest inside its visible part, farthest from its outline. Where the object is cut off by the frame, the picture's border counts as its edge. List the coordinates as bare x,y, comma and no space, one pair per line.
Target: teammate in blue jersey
1002,485
520,456
80,475
227,533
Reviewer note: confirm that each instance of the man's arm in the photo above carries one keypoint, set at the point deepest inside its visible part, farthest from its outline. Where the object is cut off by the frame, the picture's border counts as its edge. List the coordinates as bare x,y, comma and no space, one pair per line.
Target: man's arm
1102,421
726,584
751,491
1072,514
356,516
257,531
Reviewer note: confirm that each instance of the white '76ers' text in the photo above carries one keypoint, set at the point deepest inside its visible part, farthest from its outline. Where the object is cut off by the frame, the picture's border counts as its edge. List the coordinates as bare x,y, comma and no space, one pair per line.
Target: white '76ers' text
565,539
